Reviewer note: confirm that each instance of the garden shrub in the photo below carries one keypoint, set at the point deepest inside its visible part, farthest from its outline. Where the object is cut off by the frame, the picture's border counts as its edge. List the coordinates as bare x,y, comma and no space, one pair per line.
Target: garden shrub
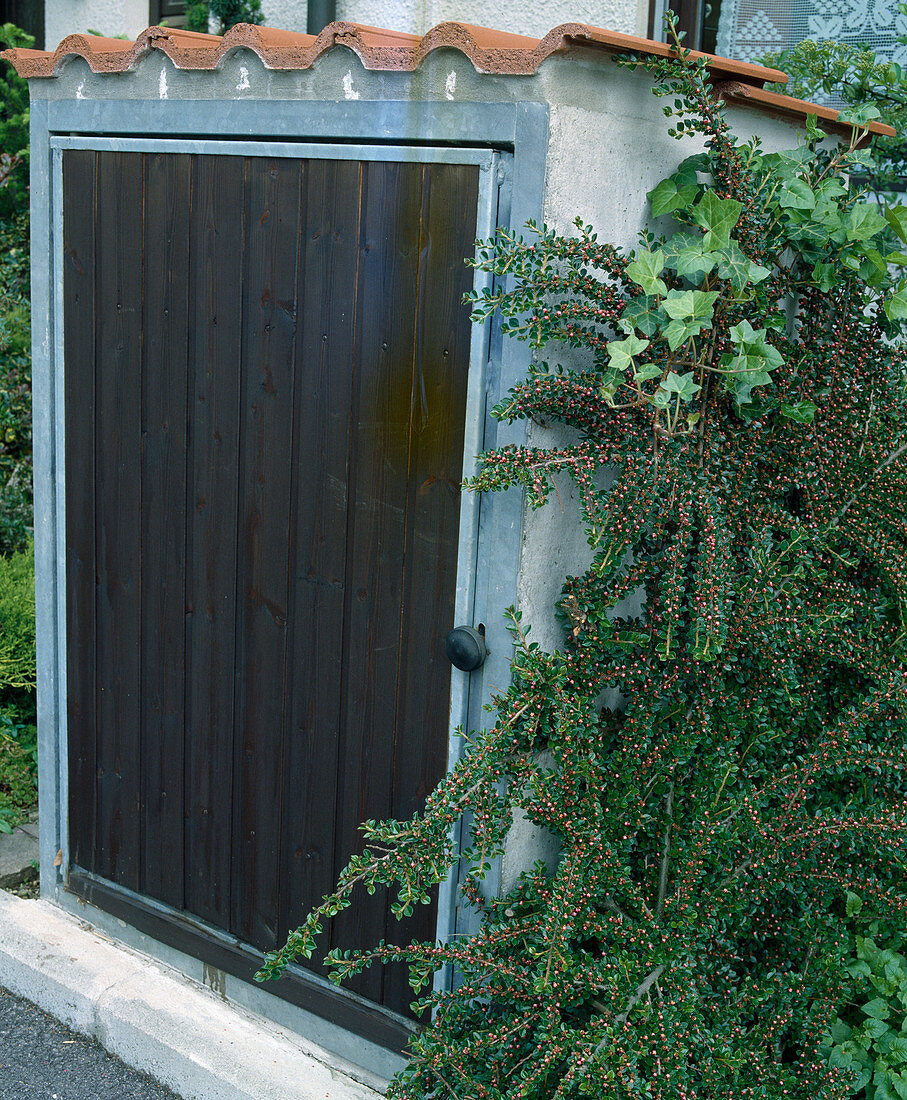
740,435
855,76
18,674
15,313
227,14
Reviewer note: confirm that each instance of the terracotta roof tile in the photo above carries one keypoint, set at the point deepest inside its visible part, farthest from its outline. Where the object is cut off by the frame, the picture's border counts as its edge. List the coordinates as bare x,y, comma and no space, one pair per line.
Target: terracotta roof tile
788,107
490,51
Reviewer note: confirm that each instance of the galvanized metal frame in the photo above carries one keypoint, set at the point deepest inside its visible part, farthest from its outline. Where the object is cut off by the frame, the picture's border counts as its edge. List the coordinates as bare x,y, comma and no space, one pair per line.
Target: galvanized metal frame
511,192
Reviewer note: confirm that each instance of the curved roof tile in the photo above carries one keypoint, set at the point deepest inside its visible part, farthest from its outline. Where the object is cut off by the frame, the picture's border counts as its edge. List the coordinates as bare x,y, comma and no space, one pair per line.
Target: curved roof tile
490,51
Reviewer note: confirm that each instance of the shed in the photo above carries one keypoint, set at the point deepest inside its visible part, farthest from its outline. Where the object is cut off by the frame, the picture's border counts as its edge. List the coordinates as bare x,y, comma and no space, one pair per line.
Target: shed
256,392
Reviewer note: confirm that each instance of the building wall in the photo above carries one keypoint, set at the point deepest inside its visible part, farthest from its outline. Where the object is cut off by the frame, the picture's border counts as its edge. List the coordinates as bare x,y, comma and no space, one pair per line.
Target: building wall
518,16
130,17
108,17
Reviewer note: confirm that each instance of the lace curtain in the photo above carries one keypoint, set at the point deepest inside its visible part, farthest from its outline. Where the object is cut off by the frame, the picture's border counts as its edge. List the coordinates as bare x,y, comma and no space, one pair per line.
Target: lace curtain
748,29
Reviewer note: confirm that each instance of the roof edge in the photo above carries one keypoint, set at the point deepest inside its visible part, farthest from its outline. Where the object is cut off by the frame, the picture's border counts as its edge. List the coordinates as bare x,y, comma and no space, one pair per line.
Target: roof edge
787,106
490,51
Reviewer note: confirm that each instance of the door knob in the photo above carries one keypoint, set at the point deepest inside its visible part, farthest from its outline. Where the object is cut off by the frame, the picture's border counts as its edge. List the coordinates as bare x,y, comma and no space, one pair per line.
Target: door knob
466,648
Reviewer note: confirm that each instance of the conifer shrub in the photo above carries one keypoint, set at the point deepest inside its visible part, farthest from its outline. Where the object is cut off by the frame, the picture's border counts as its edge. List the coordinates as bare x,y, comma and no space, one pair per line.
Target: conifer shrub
740,460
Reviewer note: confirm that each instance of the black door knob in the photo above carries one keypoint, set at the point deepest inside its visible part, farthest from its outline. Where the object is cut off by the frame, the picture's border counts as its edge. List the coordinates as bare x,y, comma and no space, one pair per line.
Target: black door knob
466,648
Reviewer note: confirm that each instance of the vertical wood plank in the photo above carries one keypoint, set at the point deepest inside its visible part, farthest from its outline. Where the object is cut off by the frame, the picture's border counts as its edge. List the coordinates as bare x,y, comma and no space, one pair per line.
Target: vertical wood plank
118,357
267,460
440,376
166,273
79,219
325,365
379,456
215,342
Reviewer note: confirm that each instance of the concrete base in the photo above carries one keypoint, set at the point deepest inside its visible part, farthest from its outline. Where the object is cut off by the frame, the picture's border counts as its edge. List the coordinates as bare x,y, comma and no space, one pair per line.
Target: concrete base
159,1021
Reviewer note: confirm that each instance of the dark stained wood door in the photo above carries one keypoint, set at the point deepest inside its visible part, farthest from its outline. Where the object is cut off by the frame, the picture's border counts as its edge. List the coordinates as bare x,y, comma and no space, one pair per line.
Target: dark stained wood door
265,376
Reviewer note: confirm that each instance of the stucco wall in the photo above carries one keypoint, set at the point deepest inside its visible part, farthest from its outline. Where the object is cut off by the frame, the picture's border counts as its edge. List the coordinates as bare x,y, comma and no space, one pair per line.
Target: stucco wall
107,17
113,17
417,16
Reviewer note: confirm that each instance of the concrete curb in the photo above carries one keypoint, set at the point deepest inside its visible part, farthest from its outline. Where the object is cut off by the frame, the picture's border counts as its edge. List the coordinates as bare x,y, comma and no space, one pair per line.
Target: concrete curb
159,1021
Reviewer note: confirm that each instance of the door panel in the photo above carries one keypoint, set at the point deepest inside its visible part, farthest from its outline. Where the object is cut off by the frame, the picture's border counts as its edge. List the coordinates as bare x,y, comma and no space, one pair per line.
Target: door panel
266,364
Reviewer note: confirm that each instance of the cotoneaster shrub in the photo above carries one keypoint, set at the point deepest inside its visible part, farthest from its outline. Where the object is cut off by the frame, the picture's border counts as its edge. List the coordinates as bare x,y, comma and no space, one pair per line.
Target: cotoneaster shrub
740,464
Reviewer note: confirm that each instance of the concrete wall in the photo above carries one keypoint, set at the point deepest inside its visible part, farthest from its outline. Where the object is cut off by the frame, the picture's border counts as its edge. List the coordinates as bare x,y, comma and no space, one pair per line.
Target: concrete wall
130,17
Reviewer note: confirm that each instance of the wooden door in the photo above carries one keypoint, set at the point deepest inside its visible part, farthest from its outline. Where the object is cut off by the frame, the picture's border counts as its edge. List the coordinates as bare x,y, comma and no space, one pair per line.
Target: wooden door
265,377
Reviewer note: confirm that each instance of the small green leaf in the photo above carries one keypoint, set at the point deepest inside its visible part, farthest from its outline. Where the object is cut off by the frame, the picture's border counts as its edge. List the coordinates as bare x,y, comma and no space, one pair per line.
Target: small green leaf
684,385
621,352
640,313
824,276
862,222
672,195
803,412
647,373
877,1009
853,903
896,306
797,195
644,271
690,305
718,218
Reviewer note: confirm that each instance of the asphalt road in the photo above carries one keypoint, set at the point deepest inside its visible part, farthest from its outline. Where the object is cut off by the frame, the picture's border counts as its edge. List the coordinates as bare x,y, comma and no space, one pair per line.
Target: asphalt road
40,1059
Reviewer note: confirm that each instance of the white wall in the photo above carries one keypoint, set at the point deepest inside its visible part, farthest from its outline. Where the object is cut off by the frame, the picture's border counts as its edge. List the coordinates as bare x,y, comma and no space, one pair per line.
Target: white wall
130,17
518,16
108,17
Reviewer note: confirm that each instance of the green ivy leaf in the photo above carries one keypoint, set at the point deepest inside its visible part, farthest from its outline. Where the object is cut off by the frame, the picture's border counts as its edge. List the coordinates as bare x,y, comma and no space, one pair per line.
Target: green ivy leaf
895,307
683,385
621,352
861,223
896,217
644,271
853,902
647,373
825,276
735,266
797,195
874,1028
690,305
641,313
694,262
877,1009
671,195
718,218
804,412
897,1049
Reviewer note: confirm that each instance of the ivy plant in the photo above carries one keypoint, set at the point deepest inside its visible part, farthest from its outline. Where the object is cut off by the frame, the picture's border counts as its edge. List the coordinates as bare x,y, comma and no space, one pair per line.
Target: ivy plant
868,1039
721,767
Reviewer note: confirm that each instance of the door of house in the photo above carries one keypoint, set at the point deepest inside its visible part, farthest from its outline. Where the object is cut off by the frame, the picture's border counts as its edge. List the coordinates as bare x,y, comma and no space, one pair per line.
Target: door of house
266,363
